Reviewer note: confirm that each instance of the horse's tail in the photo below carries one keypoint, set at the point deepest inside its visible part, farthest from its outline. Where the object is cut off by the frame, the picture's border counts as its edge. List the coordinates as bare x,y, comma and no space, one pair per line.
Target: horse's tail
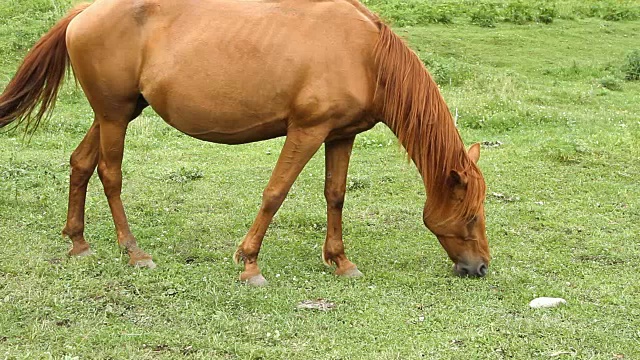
39,77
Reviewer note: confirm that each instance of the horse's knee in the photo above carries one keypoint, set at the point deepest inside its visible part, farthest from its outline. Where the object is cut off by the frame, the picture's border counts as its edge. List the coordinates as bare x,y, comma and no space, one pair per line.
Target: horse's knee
335,198
111,179
272,199
81,169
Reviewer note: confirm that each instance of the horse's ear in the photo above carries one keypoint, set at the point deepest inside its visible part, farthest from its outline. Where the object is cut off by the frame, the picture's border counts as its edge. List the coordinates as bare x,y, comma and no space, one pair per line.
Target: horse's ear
474,152
457,179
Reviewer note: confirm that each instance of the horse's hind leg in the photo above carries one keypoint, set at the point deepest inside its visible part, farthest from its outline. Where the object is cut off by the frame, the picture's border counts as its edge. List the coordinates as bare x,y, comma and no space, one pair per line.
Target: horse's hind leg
113,128
84,160
337,155
83,163
299,147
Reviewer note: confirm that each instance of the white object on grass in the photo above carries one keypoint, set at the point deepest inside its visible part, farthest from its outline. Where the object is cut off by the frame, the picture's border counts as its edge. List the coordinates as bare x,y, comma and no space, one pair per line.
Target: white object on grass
546,302
319,304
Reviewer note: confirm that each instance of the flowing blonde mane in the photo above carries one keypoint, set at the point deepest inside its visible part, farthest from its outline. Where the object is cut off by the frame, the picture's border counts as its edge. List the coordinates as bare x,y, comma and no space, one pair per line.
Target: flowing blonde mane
416,112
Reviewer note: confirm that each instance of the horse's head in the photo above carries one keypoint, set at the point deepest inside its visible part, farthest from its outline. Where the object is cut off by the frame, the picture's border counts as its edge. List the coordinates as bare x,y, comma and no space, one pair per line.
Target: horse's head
463,237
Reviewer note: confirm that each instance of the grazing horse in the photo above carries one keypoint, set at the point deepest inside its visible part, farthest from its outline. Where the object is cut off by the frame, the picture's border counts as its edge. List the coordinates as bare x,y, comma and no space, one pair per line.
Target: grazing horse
234,72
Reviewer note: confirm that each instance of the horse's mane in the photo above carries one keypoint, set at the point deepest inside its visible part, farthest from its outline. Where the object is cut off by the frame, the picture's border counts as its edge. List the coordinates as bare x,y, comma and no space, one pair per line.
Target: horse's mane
416,112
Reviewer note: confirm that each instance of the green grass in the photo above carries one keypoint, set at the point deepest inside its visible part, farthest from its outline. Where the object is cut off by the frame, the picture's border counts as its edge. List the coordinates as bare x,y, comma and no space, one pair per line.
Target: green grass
563,210
487,13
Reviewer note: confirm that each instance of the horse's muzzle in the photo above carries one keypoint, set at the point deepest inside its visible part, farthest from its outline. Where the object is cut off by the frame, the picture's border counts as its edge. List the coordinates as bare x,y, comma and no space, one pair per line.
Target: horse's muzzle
471,270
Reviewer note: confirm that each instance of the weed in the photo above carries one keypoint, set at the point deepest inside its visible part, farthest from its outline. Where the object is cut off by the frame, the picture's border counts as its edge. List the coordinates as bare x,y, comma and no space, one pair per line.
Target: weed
631,67
447,71
184,175
611,82
613,12
545,13
439,14
485,15
358,183
518,13
565,153
414,13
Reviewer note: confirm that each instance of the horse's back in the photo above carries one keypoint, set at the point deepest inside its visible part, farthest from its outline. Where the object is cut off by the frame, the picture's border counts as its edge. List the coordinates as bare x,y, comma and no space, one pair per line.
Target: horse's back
232,71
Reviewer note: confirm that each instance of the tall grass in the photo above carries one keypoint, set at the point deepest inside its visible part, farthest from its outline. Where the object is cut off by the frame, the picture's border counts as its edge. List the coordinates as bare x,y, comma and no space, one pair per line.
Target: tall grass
487,13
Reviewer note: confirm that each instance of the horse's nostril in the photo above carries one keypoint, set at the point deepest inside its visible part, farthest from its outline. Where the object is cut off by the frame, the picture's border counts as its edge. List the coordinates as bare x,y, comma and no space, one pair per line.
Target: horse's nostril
482,270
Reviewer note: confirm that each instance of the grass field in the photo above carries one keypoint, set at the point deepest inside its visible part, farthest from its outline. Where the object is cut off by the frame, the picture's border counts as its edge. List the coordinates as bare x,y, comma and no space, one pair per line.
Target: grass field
563,219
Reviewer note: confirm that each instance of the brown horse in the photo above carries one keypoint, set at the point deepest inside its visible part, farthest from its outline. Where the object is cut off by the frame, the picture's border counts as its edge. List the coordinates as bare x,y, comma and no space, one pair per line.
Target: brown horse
235,72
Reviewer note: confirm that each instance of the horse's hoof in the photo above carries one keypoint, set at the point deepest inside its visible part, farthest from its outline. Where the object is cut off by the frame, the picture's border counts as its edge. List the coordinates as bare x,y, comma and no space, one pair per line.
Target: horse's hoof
144,263
351,273
81,253
257,281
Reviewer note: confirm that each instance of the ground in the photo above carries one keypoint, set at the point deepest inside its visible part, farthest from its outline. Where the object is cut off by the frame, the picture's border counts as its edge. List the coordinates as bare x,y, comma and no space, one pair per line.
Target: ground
563,208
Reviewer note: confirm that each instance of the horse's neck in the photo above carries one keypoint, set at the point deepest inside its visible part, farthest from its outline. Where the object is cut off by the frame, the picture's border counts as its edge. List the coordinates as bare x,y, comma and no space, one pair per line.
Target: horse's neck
410,103
433,150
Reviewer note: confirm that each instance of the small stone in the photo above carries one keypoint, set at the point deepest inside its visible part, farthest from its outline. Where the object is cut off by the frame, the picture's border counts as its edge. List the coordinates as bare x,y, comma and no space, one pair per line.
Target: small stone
171,292
546,302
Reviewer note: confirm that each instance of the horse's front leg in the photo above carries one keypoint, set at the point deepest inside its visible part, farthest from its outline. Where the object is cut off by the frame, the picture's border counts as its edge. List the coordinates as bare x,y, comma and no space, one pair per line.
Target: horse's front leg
112,134
337,154
83,163
299,147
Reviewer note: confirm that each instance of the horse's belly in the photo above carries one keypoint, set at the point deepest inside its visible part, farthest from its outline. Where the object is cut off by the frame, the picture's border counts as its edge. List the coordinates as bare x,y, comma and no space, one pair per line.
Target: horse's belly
220,126
256,132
